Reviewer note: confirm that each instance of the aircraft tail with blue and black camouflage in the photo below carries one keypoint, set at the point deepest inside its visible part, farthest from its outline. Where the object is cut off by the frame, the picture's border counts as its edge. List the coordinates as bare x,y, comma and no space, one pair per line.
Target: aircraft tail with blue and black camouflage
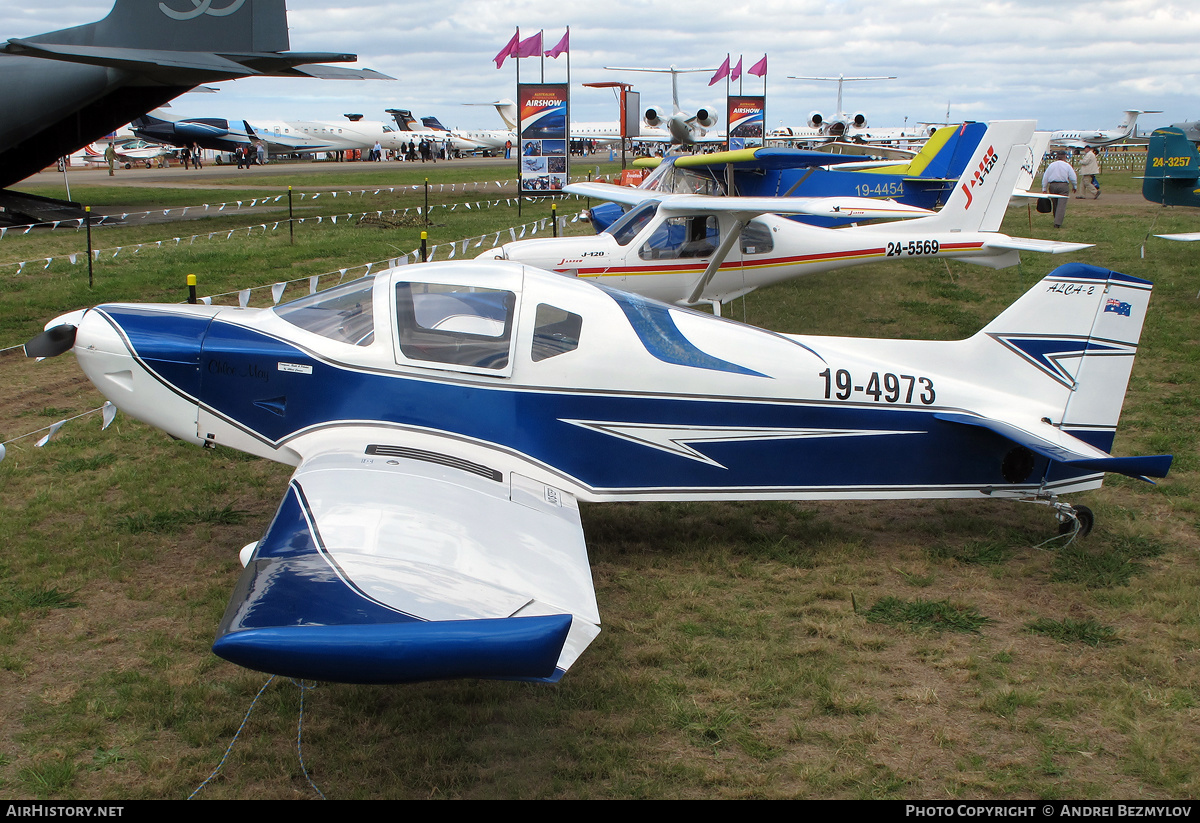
1172,169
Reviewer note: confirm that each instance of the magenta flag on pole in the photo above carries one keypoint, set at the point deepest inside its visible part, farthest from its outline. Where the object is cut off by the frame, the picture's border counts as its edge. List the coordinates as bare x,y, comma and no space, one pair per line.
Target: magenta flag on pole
737,70
530,46
508,51
758,69
563,46
722,72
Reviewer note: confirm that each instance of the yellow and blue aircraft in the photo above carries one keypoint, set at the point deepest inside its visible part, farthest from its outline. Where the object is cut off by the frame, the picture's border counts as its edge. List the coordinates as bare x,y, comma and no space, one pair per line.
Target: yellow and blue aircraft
925,181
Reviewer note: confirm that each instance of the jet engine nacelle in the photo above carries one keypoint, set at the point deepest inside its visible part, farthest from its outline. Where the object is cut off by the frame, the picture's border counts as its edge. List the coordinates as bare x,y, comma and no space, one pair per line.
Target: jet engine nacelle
859,120
815,120
706,117
201,127
656,117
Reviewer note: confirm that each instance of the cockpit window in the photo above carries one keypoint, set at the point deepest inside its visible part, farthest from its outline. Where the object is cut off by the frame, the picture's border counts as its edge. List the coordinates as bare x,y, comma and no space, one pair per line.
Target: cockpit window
456,325
756,238
555,332
682,237
634,220
342,313
669,179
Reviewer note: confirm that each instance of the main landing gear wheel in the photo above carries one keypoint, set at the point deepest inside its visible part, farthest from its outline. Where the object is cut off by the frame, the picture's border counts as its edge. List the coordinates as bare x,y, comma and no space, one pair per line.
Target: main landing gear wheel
1079,520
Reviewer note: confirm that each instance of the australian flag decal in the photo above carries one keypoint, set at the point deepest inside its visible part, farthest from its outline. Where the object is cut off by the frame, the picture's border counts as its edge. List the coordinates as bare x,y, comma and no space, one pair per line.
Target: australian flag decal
1118,306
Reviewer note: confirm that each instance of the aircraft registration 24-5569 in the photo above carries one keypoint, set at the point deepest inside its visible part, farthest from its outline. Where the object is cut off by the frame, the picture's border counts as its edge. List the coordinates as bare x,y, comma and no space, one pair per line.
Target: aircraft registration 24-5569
444,419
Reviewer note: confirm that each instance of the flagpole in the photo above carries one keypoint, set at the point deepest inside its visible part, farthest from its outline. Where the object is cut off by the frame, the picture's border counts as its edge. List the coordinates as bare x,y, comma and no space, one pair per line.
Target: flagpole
541,43
765,121
517,59
728,136
568,35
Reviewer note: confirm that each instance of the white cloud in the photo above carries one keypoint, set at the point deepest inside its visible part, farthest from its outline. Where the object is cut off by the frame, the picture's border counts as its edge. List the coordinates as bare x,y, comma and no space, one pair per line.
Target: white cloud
1068,64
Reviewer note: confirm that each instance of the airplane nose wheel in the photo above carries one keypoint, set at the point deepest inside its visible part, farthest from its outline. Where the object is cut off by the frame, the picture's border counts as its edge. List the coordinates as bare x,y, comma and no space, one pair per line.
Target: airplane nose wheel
1076,521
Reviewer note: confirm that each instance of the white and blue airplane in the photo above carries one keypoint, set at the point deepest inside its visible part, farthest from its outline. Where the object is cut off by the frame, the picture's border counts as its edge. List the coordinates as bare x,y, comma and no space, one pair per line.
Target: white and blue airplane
444,419
696,248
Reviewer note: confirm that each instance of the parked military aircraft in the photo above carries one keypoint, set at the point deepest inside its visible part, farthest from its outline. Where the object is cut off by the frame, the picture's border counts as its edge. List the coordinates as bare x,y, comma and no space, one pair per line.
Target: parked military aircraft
1190,129
445,418
62,90
1098,137
692,249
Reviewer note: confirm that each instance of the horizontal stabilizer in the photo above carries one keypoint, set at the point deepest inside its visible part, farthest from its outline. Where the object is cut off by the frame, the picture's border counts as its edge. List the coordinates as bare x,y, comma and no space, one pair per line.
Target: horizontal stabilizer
1064,448
1033,244
133,59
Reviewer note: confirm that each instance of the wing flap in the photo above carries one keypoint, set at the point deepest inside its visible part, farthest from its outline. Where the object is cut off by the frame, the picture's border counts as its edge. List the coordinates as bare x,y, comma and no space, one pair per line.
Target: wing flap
384,570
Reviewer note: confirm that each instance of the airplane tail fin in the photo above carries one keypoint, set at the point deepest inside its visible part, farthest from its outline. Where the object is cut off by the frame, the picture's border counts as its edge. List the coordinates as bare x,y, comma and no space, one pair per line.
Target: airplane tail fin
180,25
507,110
1172,169
1069,343
1131,116
981,196
404,119
948,151
433,123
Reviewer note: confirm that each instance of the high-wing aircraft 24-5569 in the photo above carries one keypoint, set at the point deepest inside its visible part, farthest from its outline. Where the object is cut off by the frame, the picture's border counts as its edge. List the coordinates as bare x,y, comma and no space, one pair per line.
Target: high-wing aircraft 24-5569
444,419
691,249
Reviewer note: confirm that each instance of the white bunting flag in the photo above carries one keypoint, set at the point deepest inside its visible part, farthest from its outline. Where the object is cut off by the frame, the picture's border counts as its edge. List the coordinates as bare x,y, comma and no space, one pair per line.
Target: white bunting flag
108,413
53,430
277,291
244,298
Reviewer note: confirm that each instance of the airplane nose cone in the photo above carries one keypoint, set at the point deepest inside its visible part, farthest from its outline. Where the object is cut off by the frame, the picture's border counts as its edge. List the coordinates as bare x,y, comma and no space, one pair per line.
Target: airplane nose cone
138,370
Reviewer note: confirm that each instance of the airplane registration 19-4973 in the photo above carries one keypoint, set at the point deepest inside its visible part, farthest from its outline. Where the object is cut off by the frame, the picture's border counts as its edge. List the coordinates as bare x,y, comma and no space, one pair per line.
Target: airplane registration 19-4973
444,419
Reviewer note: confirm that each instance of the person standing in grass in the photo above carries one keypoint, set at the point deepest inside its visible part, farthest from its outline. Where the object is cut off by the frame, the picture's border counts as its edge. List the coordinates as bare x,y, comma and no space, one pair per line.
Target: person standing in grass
1088,169
1059,178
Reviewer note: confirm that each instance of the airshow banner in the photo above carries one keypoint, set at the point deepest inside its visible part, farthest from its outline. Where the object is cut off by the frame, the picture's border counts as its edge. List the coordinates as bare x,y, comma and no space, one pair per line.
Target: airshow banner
543,137
746,115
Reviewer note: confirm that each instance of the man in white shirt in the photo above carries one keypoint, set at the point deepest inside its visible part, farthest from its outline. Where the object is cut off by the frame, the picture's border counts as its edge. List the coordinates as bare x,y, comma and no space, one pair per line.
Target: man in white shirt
1059,178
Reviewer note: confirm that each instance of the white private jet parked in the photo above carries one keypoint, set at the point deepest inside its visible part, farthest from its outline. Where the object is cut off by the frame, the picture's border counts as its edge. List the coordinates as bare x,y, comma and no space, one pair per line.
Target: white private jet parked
1098,137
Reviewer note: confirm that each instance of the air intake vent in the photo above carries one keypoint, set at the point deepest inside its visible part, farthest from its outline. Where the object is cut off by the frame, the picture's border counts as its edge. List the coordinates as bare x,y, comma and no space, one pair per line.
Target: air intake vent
434,457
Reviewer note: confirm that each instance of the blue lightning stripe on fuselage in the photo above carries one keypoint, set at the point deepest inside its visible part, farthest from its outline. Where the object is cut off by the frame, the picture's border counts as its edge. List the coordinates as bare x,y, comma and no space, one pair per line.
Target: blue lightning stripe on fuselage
237,377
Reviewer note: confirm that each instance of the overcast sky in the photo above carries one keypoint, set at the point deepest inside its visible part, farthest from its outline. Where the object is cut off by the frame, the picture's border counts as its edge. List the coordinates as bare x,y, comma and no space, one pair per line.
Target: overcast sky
1068,64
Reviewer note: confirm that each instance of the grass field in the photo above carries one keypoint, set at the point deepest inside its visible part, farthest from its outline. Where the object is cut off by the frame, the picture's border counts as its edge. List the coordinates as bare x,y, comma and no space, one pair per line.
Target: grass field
926,649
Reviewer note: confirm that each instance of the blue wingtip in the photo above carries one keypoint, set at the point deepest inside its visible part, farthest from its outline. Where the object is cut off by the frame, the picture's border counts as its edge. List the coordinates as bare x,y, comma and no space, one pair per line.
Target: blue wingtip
516,648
